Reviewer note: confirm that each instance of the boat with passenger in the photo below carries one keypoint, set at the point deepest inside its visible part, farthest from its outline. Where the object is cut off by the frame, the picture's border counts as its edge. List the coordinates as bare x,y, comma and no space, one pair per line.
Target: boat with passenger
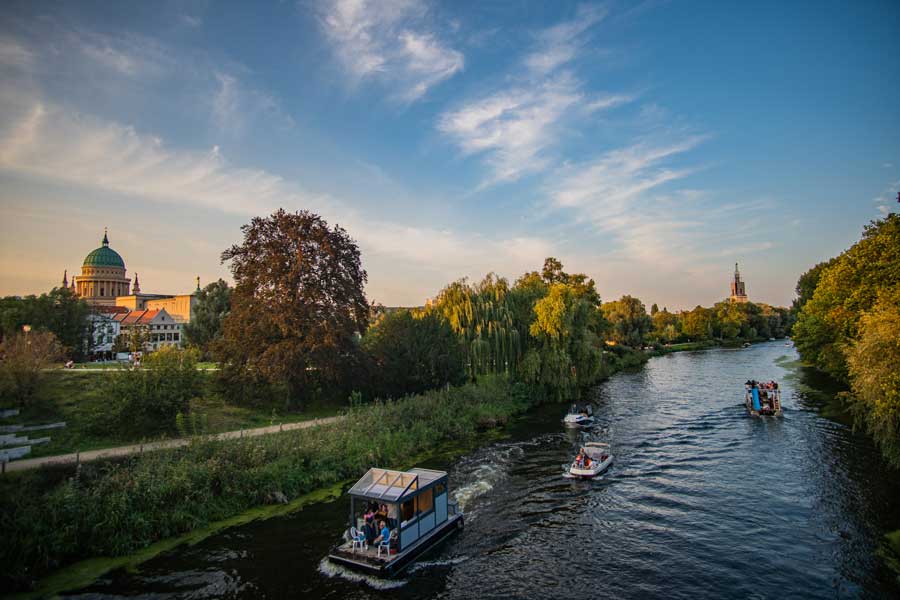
395,516
593,458
763,399
579,416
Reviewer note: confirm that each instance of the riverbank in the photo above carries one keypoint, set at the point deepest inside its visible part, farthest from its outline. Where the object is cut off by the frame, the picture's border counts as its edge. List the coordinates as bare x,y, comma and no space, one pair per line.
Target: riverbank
51,518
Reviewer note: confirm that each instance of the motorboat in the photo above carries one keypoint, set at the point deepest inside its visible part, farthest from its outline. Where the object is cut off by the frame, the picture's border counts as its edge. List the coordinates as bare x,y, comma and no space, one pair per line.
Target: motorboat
414,507
579,417
595,458
763,399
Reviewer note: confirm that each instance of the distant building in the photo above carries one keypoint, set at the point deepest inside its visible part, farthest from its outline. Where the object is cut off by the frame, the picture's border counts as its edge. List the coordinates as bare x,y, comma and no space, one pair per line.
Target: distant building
120,307
738,291
102,276
160,327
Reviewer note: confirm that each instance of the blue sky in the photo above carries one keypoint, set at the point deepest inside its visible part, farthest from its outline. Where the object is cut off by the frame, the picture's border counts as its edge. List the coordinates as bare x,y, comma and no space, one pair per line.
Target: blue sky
650,145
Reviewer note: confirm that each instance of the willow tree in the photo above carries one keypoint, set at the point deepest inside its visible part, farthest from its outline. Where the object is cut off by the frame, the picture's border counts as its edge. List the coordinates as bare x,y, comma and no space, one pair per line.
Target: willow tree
481,316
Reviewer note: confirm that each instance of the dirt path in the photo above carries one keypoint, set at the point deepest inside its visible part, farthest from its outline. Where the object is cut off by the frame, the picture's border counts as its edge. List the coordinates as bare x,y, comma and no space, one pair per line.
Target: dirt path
61,459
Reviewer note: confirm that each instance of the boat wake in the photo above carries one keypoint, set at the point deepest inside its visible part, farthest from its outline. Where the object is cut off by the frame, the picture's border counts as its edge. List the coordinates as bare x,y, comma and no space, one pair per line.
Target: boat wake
428,564
482,476
329,569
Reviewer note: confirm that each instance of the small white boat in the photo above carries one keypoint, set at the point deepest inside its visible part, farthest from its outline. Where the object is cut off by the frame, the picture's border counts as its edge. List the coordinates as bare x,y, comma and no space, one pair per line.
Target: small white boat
596,458
579,418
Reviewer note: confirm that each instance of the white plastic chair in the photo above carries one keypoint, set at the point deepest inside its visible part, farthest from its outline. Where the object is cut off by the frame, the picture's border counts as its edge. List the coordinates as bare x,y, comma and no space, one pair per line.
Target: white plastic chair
359,540
386,544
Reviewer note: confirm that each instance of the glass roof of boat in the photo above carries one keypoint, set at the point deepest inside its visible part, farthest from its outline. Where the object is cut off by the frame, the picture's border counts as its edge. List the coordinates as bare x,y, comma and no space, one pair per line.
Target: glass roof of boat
391,486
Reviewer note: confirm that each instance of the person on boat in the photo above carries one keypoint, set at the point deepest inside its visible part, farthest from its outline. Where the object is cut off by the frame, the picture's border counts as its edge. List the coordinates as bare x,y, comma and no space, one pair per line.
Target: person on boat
579,460
369,526
385,533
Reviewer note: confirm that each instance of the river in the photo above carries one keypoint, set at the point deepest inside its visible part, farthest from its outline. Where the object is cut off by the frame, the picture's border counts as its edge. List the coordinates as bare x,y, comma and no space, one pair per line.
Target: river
702,502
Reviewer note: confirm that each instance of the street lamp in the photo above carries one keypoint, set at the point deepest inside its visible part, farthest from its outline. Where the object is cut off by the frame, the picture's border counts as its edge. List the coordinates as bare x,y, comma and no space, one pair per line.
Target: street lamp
26,328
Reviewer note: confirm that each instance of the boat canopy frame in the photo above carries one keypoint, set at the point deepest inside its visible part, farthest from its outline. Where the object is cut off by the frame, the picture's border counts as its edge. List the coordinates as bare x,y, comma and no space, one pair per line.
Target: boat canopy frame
395,487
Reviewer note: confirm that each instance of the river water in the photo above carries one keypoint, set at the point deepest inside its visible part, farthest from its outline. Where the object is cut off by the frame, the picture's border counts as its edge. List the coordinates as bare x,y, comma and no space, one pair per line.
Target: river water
702,502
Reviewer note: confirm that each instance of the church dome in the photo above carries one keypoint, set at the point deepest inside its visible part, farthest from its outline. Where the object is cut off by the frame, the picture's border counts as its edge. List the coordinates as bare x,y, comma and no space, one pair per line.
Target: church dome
104,256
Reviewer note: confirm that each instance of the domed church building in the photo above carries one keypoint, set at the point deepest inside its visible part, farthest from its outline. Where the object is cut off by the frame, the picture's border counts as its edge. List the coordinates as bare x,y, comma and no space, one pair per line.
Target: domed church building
102,276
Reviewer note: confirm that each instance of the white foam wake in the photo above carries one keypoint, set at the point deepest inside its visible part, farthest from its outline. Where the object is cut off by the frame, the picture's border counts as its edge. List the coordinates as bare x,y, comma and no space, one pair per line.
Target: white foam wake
329,569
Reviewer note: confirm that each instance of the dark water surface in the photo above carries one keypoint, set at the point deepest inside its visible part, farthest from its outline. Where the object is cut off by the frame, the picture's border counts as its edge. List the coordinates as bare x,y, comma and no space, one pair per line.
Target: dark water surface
702,502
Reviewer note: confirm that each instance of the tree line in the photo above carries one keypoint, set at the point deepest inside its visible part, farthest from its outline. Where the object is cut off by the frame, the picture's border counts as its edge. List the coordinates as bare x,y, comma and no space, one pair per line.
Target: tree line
848,325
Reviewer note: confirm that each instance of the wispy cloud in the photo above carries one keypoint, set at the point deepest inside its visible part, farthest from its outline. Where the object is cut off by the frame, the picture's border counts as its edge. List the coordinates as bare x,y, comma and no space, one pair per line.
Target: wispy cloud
625,194
390,40
49,143
513,128
235,105
560,44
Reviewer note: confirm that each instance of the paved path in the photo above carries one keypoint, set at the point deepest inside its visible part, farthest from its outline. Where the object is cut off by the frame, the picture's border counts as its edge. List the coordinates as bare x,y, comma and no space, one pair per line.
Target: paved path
61,459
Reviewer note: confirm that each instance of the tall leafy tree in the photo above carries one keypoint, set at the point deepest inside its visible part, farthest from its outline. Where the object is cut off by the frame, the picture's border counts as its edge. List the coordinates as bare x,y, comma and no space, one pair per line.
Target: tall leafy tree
413,353
213,305
847,288
60,312
298,306
629,320
872,361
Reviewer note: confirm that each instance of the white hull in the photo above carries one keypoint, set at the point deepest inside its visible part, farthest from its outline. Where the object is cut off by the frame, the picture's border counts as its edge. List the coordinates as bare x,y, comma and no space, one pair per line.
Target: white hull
596,468
578,421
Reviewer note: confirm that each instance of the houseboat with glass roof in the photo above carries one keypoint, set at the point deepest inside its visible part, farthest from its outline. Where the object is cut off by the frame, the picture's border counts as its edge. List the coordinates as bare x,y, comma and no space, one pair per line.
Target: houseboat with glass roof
395,516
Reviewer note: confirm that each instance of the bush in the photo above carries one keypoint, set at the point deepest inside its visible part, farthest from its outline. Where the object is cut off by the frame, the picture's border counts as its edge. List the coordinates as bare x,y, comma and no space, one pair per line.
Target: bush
147,399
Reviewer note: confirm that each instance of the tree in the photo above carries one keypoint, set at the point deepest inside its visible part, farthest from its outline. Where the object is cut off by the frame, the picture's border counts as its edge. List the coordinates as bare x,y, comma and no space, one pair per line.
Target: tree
806,285
483,318
628,319
654,309
565,356
665,325
553,271
847,288
298,308
413,353
23,360
872,361
60,312
698,323
213,305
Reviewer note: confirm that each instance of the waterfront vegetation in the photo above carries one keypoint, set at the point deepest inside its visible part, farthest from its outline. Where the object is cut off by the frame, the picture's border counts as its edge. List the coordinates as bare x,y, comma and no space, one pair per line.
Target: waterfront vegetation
848,326
53,517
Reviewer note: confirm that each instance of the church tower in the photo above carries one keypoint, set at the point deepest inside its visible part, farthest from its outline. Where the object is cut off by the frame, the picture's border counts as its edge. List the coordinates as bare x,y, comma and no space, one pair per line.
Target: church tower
738,291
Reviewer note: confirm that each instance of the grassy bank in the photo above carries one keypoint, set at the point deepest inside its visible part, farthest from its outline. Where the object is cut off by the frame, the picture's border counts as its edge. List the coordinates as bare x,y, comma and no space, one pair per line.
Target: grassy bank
75,397
51,518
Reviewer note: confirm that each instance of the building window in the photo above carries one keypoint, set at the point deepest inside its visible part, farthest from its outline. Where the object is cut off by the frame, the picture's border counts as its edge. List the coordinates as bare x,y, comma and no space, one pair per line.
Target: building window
101,291
168,337
176,337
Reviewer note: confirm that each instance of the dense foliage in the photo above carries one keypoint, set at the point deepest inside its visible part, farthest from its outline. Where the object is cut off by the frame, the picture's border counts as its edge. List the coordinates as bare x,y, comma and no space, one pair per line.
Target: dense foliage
297,308
723,321
213,305
114,508
545,330
848,327
412,353
24,358
60,312
147,399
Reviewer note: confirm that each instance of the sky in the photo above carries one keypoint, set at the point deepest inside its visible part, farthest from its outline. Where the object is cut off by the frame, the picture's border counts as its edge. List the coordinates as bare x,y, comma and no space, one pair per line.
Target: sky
648,144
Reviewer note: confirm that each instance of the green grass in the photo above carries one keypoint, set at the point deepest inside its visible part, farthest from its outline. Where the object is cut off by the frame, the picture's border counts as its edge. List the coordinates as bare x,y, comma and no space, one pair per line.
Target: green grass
71,396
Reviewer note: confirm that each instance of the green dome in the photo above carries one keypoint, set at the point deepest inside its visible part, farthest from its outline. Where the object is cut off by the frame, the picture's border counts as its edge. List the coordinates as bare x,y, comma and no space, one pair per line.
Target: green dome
104,256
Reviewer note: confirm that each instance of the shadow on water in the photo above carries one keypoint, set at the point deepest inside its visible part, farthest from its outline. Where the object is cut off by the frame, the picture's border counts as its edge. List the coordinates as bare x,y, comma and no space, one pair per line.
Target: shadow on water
702,501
